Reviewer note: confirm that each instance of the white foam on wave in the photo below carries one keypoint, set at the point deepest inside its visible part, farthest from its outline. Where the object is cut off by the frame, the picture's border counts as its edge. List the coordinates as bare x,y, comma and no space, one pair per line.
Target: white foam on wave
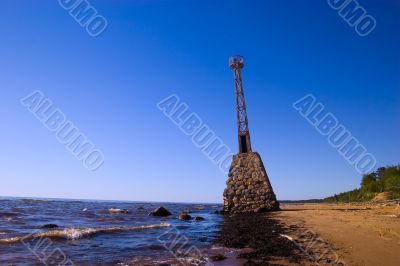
79,233
74,233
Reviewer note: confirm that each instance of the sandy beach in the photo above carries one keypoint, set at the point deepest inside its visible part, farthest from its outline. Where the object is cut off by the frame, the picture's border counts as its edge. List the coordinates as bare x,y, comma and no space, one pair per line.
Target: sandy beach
359,234
317,234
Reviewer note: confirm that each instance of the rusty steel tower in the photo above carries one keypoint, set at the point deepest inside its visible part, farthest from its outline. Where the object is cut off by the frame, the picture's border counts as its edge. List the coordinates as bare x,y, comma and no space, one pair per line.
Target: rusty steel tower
236,63
248,189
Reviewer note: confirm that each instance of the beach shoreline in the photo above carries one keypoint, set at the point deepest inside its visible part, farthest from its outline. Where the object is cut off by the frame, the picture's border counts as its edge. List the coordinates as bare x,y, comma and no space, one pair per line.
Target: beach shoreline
298,234
320,234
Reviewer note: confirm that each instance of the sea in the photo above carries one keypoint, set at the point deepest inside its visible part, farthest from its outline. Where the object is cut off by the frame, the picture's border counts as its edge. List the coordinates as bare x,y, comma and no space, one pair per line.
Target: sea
91,232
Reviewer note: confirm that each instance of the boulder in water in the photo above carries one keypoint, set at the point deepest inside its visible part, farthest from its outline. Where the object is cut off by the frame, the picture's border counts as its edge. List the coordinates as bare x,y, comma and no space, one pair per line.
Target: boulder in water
184,216
161,212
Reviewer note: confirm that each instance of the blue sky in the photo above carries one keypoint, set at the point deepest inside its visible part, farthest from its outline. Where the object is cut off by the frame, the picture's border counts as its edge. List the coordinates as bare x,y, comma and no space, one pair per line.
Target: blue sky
109,86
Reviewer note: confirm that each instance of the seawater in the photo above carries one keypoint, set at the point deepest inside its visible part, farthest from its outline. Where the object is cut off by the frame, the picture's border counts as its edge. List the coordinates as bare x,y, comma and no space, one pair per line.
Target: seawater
88,235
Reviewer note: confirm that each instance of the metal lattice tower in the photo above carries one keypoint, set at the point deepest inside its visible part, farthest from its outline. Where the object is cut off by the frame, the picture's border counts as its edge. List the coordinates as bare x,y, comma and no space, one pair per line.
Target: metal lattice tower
236,63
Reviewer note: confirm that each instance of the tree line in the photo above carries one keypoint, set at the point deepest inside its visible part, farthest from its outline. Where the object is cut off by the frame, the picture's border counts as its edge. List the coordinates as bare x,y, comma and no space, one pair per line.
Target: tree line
384,179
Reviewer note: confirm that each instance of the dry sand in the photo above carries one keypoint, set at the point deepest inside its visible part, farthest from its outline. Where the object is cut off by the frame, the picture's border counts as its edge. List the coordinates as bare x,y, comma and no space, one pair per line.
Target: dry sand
349,234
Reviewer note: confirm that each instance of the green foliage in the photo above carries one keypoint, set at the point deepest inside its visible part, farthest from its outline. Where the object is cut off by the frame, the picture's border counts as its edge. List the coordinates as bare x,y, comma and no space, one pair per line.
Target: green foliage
350,196
384,179
390,179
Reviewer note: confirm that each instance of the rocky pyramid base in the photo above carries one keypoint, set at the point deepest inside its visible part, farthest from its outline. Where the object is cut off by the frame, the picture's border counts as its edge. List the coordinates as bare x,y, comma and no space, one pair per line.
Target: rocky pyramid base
248,187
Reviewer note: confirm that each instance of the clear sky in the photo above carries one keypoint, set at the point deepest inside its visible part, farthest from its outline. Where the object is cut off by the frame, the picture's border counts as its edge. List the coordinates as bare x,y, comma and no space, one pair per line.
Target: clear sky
109,86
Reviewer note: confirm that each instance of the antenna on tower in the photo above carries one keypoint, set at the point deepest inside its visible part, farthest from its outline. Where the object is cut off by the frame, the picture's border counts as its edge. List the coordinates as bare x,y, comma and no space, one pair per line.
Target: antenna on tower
236,63
244,192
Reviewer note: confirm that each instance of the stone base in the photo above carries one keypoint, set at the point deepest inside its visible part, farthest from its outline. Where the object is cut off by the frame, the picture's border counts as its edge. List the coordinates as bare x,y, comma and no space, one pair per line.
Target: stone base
248,187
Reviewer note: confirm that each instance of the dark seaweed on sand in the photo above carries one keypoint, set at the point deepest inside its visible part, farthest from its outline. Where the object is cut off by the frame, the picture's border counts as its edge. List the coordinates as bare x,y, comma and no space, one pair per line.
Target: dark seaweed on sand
262,233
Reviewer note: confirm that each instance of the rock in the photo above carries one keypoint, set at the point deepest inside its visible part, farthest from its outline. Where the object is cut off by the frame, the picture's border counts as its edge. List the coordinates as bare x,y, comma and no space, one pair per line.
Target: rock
48,226
112,210
198,218
219,212
161,212
203,239
217,257
248,187
140,208
184,216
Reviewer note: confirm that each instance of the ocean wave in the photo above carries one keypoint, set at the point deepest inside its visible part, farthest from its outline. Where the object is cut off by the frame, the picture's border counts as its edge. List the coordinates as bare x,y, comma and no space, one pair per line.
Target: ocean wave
78,233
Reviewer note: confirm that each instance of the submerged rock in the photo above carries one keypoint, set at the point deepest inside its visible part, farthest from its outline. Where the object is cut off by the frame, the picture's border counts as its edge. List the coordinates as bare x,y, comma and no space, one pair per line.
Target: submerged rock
184,216
217,257
203,238
198,218
161,212
48,226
